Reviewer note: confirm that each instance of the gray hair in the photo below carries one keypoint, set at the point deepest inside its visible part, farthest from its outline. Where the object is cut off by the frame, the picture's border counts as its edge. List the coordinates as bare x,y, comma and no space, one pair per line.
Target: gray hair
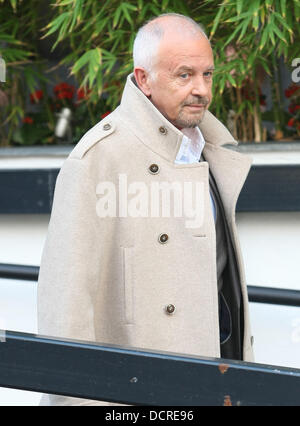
148,37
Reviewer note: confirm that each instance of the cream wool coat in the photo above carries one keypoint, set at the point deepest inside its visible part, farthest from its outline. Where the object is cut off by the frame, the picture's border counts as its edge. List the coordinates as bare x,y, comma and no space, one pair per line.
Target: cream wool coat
109,279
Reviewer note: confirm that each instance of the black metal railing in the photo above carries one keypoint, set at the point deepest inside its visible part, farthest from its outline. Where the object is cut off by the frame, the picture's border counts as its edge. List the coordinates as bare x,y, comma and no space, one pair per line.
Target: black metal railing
274,296
19,272
140,377
258,294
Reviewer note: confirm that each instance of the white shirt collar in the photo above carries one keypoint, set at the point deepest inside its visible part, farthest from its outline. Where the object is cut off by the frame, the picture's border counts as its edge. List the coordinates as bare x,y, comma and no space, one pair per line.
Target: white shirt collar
191,146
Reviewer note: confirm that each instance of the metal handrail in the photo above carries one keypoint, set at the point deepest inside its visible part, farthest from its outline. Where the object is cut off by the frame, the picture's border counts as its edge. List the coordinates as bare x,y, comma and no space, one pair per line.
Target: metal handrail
257,294
140,376
274,296
19,272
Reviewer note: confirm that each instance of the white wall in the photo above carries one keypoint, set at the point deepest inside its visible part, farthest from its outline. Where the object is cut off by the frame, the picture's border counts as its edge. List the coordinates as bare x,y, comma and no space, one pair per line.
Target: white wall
270,244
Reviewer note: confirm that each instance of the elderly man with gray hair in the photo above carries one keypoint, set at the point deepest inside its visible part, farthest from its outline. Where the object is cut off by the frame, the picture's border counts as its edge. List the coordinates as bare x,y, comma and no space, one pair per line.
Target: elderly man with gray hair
118,266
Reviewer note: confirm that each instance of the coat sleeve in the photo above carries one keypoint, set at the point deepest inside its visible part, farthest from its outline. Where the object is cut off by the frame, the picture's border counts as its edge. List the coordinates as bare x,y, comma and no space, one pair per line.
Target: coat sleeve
70,265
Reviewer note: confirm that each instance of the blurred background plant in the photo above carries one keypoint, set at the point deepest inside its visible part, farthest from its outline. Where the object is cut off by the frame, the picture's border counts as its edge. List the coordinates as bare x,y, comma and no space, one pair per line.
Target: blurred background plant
293,94
250,39
36,125
93,42
35,92
18,31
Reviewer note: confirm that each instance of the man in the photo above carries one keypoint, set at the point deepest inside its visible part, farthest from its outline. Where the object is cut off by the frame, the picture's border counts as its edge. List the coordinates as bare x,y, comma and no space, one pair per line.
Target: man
122,271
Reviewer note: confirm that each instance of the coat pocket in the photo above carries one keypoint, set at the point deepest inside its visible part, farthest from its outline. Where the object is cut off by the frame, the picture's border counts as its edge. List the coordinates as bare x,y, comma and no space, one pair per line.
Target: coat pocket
128,283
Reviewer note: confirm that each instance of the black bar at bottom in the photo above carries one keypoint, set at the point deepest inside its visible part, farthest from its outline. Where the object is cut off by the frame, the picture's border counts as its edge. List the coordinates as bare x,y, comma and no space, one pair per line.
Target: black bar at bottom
138,377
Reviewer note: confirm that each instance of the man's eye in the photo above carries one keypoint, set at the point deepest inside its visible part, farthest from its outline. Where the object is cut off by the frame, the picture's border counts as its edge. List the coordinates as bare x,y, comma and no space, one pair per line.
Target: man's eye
208,74
184,75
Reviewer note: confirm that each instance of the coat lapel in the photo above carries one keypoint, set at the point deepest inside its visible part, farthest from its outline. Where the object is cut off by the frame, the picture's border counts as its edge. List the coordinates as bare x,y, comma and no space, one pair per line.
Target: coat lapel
230,170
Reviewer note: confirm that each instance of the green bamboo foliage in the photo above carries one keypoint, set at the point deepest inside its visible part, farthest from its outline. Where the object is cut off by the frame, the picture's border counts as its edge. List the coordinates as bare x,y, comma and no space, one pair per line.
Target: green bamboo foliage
19,28
101,36
248,38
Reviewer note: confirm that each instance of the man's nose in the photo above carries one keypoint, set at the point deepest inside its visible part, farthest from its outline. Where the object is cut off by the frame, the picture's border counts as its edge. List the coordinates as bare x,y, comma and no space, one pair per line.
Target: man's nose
201,87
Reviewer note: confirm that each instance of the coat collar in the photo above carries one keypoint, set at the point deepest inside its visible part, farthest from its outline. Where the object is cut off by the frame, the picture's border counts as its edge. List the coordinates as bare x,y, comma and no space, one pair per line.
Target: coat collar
155,131
230,170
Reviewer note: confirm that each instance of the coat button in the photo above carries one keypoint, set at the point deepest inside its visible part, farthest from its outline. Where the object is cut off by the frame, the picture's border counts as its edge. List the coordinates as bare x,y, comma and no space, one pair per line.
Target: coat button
154,169
163,238
170,309
107,126
163,130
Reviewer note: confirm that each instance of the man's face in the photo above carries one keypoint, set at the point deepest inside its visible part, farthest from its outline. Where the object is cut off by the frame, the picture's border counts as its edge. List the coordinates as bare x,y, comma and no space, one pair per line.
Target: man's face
182,89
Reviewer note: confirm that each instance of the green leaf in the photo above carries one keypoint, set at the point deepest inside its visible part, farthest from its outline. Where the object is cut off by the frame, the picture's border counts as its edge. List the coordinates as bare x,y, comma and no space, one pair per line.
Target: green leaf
242,67
126,13
256,17
76,13
131,7
100,24
61,34
263,15
271,34
217,20
283,22
239,6
66,2
279,33
251,58
85,59
140,4
143,13
57,23
165,4
231,80
238,28
264,38
12,55
297,9
117,16
222,86
154,9
14,4
283,8
244,28
240,17
94,65
255,22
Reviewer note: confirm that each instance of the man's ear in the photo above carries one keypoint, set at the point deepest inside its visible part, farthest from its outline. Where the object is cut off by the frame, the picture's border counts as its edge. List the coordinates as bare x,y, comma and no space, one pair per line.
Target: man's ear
142,78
